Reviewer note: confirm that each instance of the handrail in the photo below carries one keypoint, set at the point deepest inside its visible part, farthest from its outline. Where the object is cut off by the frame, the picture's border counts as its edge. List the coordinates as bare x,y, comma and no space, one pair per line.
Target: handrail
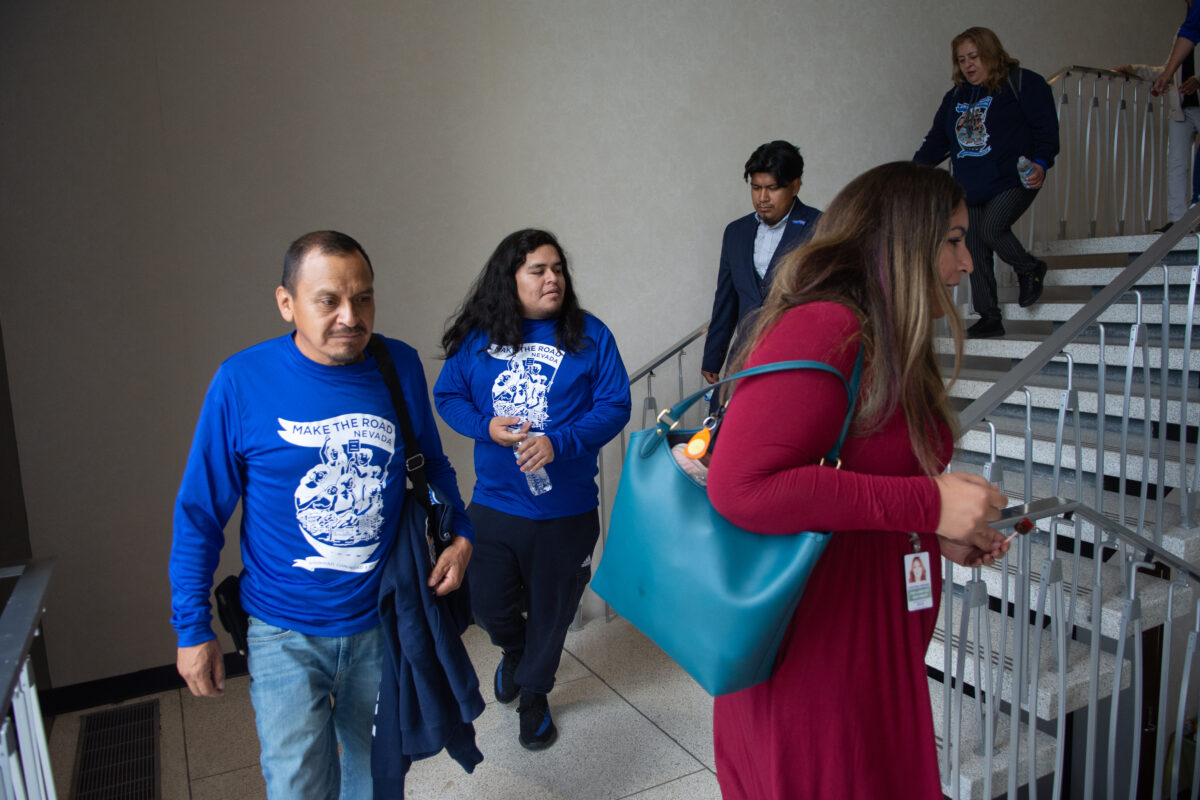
1099,72
20,618
1057,506
1054,344
663,357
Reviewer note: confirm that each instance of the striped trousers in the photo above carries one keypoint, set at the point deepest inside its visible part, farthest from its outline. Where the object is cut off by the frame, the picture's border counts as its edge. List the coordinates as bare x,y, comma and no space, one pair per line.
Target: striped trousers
990,231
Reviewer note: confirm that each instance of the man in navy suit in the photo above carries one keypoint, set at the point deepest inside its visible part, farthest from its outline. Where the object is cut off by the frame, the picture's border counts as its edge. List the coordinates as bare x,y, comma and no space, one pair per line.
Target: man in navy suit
754,244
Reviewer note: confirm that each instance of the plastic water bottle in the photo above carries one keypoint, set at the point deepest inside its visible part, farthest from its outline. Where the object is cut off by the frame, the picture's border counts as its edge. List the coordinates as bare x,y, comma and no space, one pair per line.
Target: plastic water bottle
1025,169
538,480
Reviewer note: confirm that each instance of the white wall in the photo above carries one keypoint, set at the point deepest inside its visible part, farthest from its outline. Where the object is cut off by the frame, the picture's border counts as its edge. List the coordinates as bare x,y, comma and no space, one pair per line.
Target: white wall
157,159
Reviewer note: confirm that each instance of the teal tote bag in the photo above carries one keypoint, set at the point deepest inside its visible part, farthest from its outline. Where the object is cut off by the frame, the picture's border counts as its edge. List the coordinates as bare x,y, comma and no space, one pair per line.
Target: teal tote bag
716,598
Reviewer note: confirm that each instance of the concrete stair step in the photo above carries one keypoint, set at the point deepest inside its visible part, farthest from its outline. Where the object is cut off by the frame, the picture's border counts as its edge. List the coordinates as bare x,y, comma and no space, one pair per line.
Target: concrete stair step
1152,591
973,764
1118,313
1010,443
1108,245
1085,350
1046,702
1047,393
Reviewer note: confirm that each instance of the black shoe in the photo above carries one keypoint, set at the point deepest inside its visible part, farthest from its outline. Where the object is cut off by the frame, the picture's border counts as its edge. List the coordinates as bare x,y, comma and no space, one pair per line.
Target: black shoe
537,728
1031,283
986,328
505,682
1166,227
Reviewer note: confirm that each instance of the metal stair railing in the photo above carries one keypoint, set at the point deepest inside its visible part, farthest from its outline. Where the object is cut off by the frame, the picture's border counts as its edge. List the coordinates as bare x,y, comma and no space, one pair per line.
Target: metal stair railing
25,760
1054,346
1125,604
1113,142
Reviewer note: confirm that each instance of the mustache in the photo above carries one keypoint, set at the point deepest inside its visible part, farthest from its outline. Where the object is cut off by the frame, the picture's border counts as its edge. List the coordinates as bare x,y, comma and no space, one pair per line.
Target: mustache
345,331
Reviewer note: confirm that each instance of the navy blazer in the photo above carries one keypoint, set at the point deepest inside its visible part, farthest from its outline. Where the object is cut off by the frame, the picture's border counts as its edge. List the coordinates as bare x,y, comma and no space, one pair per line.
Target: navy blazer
739,289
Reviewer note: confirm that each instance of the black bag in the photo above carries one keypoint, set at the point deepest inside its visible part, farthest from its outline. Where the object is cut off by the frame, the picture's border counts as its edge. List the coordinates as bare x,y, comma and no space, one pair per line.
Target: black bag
438,513
229,610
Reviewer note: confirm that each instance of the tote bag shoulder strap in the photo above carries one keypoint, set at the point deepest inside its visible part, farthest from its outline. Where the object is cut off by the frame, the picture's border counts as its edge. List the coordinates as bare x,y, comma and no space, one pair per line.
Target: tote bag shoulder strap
669,417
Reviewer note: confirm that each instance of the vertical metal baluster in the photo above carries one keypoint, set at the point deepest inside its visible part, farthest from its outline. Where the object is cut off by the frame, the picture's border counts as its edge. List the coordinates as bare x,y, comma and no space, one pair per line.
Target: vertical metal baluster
649,404
1115,697
1187,500
1089,760
1121,142
1072,400
1146,426
27,718
1101,419
975,594
1035,660
1138,677
1164,363
1093,117
989,735
947,671
13,782
679,375
1063,199
1063,403
1028,445
1188,661
1134,333
1160,736
1060,639
1021,638
1131,617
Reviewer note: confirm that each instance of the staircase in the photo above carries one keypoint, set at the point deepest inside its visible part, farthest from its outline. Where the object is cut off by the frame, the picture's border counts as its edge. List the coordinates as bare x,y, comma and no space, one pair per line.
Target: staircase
1065,618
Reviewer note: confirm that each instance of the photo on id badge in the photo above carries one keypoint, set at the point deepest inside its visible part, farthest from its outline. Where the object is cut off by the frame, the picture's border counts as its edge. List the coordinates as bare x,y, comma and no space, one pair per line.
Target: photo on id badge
917,586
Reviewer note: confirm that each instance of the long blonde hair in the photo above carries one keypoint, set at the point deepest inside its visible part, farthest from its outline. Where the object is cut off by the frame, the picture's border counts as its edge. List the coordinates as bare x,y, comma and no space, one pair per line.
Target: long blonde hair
876,251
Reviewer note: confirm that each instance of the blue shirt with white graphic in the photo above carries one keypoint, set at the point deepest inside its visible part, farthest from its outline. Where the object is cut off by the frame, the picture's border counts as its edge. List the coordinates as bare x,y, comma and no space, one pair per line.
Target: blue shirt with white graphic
315,457
578,400
984,133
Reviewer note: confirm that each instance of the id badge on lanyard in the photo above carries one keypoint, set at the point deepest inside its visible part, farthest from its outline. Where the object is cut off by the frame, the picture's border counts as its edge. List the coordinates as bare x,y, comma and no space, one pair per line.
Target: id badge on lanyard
918,582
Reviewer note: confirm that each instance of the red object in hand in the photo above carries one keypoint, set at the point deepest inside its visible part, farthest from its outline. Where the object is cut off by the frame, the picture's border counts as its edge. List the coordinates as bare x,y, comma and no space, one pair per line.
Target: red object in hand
1024,526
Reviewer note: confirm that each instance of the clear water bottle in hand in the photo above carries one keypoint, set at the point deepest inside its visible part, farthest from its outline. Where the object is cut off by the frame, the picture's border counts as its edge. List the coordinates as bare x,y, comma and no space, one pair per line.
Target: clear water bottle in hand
538,480
1025,170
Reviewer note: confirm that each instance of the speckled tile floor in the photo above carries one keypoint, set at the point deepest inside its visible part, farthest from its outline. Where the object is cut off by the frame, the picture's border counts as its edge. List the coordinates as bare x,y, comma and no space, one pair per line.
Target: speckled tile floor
631,725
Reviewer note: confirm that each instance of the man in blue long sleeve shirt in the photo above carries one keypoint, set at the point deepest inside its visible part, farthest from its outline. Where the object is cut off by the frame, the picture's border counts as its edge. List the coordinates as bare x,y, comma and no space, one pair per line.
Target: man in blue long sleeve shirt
302,431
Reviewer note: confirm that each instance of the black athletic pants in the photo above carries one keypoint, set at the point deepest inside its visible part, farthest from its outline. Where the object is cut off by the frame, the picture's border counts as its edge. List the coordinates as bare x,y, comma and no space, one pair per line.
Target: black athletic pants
990,230
541,566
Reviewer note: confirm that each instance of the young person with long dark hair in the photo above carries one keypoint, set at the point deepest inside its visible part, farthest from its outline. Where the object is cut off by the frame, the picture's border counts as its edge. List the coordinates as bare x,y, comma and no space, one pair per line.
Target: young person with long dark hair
528,370
846,712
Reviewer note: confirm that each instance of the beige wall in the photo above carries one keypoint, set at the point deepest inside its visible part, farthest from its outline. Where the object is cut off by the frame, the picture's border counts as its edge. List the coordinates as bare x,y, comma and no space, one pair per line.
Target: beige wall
158,157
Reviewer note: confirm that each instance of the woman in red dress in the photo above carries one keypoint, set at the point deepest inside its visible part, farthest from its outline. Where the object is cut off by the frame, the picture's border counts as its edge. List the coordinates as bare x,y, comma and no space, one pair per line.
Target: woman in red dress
846,713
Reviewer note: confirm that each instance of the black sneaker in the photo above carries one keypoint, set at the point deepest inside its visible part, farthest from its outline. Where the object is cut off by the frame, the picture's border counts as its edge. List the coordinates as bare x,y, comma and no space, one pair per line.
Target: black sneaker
537,728
505,683
986,328
1031,284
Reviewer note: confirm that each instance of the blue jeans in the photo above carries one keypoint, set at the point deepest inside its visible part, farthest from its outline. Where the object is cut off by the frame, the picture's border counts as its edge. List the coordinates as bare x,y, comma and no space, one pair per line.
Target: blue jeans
311,693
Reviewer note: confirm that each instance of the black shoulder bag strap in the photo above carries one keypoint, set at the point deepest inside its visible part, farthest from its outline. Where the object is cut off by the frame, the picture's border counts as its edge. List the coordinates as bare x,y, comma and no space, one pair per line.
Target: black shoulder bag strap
414,461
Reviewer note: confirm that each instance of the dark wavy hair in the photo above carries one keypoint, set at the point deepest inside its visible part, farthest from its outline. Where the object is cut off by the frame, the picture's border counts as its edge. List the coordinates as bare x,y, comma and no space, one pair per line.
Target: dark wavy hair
492,305
780,159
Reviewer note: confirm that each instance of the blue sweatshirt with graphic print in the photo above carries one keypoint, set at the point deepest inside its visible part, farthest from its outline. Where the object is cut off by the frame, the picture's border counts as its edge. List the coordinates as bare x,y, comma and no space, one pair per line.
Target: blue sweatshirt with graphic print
314,454
578,400
984,133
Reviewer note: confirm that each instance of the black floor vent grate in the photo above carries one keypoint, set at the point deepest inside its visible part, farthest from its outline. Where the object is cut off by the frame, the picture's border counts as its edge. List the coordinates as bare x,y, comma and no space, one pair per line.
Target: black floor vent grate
117,757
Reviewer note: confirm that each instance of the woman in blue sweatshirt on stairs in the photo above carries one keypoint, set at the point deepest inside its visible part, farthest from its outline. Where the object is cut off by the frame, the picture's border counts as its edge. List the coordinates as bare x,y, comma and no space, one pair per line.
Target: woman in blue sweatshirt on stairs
539,385
996,113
